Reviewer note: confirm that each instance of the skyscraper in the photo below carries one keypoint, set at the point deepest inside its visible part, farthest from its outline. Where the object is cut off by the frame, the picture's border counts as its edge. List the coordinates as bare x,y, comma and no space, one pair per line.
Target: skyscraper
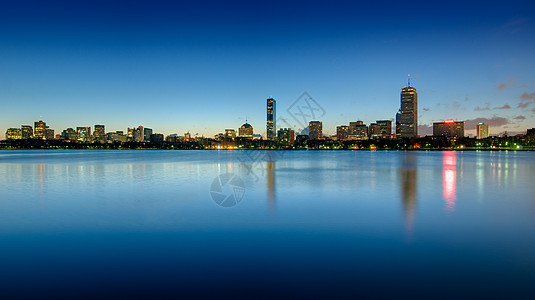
315,130
40,130
482,131
271,126
408,124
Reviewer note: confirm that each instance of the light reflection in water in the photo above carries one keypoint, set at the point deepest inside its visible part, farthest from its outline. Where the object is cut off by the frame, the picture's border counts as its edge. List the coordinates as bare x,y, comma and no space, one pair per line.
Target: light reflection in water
449,161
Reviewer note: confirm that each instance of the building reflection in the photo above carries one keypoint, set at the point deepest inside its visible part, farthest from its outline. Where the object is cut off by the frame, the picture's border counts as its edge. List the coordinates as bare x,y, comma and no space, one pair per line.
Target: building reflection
449,162
408,181
271,184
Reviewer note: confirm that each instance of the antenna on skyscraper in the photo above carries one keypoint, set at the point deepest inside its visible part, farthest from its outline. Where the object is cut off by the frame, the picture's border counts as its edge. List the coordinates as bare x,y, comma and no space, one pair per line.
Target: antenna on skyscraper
409,79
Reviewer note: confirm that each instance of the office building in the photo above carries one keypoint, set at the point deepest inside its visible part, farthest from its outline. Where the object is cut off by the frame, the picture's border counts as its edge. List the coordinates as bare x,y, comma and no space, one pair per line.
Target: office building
315,130
69,134
271,126
40,130
27,132
449,128
408,123
147,132
49,134
230,133
342,132
99,135
357,131
286,136
84,133
381,129
14,134
245,131
482,131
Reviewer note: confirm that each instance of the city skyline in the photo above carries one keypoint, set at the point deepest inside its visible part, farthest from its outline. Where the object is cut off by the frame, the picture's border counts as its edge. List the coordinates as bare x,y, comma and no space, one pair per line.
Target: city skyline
118,65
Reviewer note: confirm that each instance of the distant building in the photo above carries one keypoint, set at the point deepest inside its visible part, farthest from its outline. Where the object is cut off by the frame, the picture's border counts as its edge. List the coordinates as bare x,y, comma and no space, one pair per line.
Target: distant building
342,132
408,123
271,126
315,130
398,123
482,131
301,139
374,131
156,138
99,135
381,129
245,131
286,136
230,133
27,131
69,134
14,134
147,132
117,136
40,130
449,128
357,131
84,133
49,134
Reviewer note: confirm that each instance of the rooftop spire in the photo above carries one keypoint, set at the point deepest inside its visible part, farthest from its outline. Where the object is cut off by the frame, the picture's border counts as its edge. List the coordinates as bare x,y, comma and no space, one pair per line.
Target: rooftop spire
409,80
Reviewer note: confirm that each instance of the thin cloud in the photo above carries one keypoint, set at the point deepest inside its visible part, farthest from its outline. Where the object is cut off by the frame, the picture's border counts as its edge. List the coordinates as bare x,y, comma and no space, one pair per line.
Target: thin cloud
501,86
506,106
527,96
519,118
479,108
426,109
492,122
511,81
523,104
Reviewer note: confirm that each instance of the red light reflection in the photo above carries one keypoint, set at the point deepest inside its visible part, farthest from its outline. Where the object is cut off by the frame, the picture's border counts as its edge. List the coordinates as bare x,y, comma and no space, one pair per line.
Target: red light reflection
449,162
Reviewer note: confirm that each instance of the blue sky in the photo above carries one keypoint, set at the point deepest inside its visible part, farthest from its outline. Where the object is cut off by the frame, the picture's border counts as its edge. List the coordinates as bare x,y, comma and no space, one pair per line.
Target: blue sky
206,66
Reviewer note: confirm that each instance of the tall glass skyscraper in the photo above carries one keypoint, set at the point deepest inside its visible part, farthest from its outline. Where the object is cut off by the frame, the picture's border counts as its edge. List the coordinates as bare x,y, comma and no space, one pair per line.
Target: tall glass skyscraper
408,123
271,126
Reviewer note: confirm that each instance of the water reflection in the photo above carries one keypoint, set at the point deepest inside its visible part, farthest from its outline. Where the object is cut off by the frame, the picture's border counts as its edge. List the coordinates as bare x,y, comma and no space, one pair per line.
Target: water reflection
271,184
449,161
408,181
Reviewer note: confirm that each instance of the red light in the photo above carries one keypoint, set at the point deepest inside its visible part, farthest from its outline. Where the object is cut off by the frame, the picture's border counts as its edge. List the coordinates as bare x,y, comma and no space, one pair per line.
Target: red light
449,121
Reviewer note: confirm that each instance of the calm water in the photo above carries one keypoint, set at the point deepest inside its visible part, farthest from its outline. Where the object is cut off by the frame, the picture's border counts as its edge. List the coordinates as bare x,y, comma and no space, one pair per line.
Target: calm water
306,223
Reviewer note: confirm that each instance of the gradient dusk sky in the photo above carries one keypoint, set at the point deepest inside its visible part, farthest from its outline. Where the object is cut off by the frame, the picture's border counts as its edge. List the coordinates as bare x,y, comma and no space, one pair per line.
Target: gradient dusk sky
203,66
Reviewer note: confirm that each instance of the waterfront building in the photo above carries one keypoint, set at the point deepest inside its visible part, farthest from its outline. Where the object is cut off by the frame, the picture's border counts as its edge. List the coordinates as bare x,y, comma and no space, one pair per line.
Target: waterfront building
449,128
482,131
230,133
286,136
83,134
147,132
246,131
27,131
357,131
342,132
40,130
14,134
69,134
315,130
99,135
